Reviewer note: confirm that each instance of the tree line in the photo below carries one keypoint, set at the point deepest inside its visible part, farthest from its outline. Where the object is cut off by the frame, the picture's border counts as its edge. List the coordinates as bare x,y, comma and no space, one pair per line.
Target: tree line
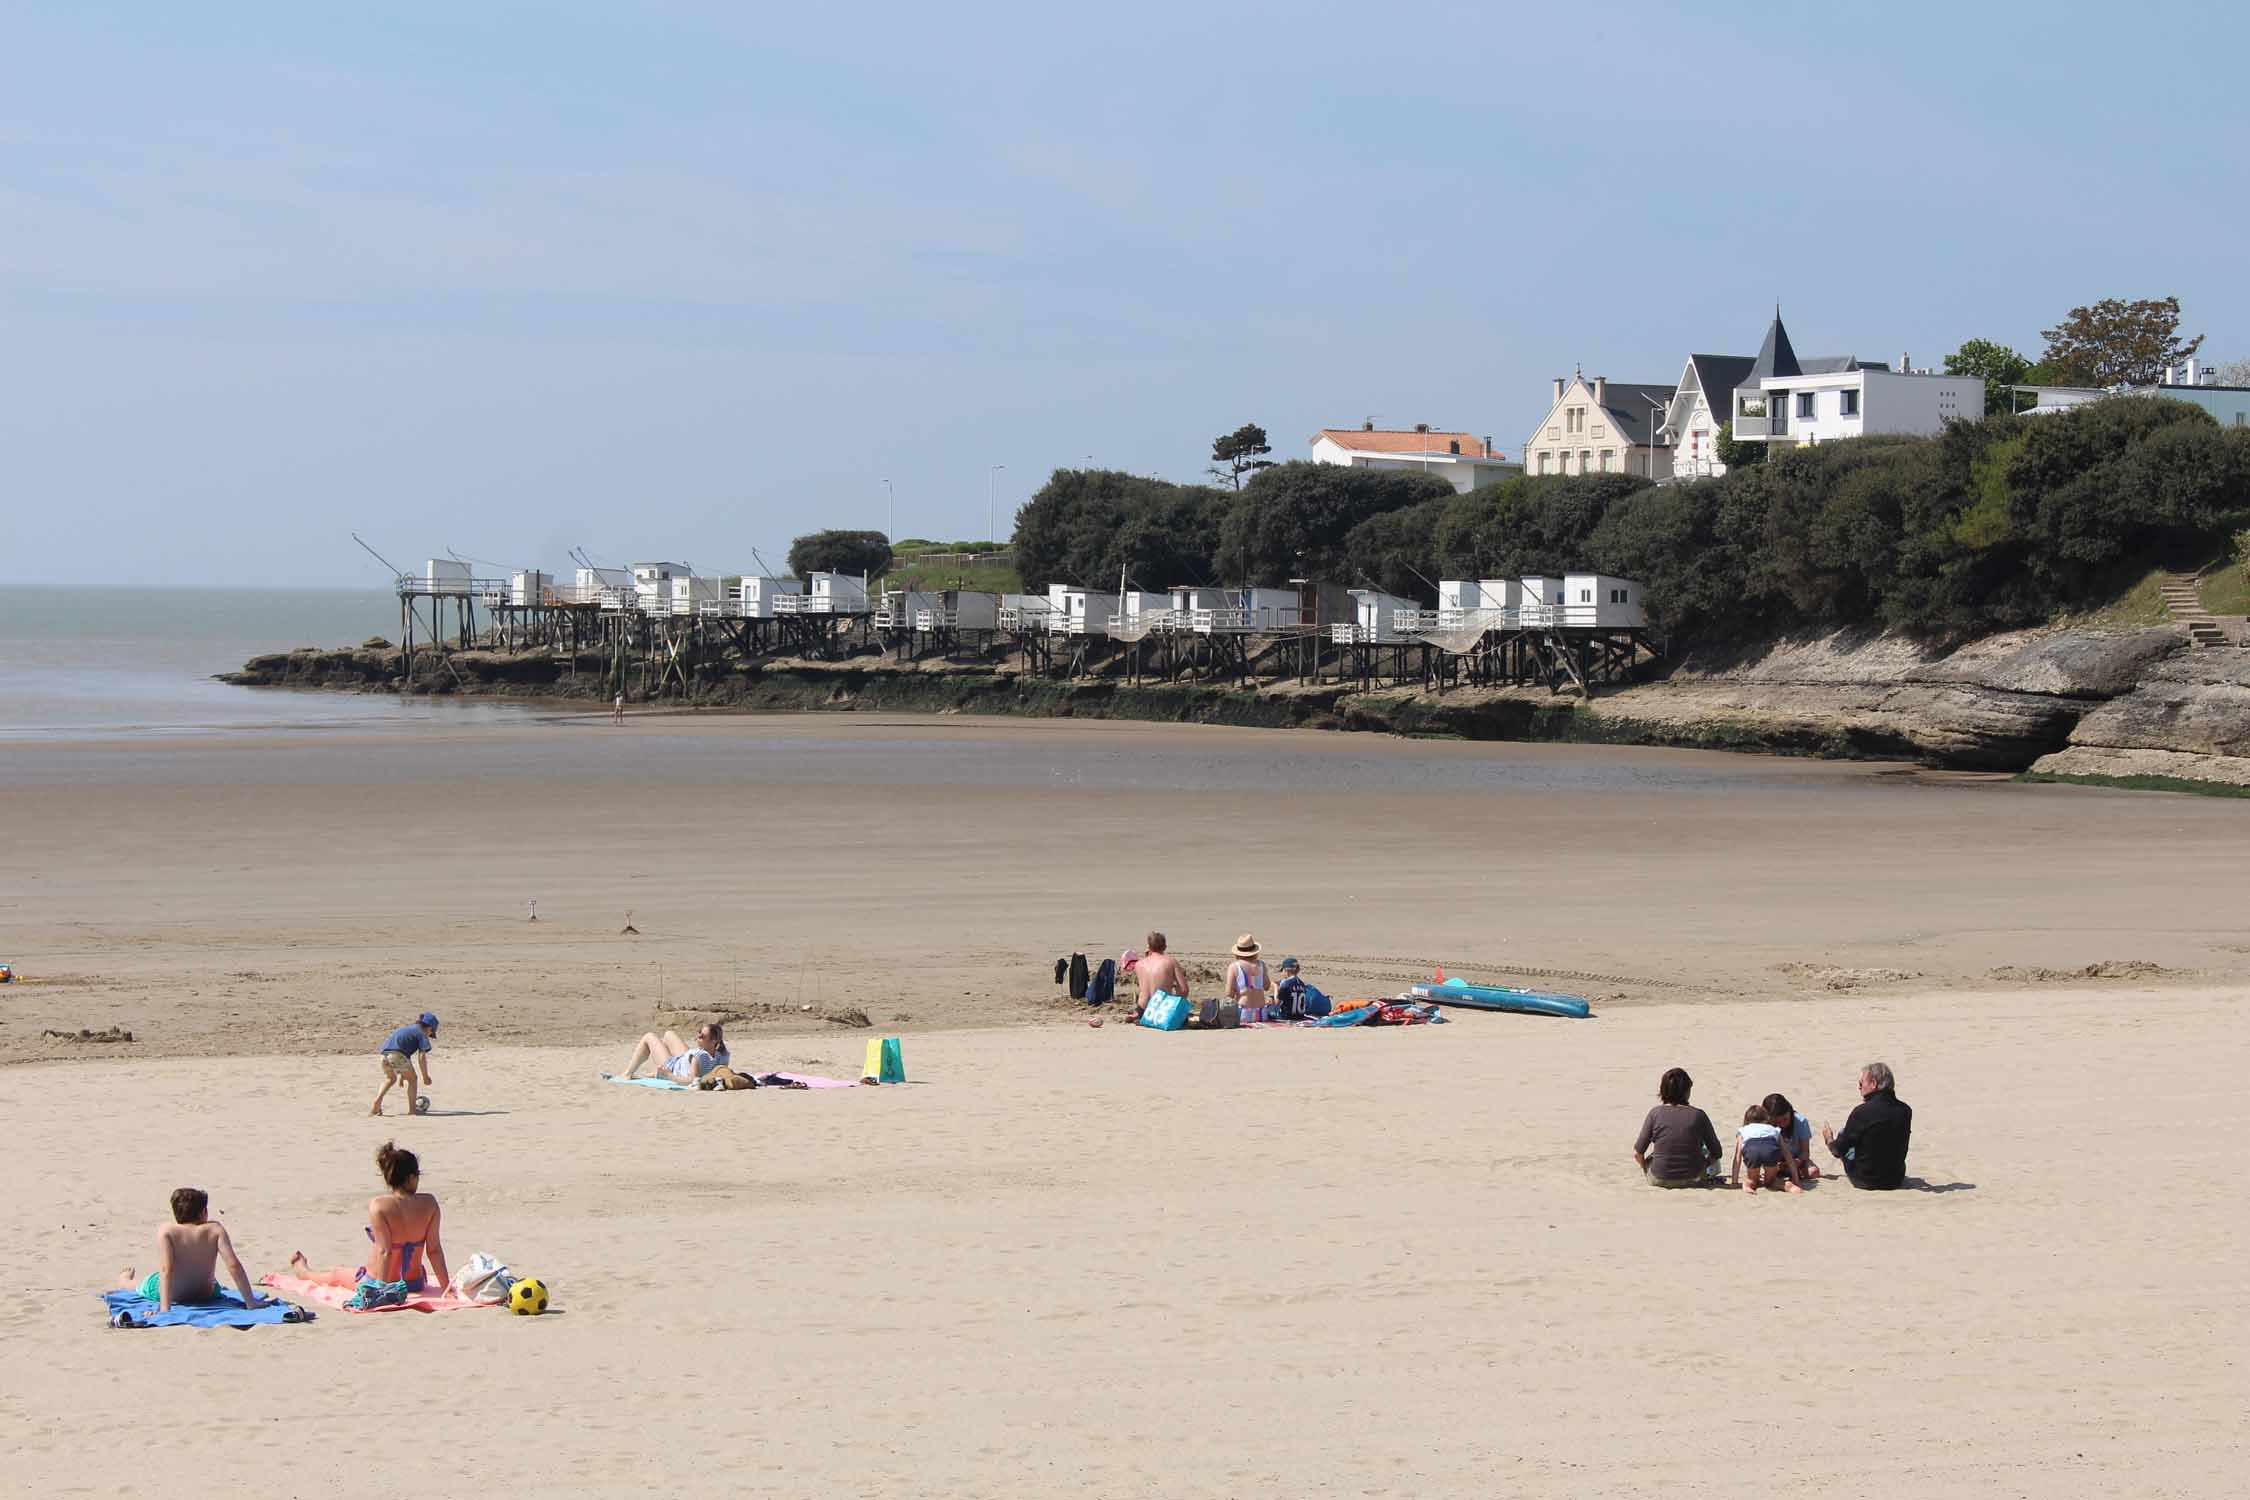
1994,524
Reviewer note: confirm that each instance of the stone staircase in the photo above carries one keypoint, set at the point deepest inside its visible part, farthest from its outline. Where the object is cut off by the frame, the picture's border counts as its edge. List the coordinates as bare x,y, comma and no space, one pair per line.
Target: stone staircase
2178,591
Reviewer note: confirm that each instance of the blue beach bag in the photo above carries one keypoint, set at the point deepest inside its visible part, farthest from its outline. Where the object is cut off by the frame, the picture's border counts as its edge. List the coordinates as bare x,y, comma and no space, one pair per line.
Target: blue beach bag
1165,1012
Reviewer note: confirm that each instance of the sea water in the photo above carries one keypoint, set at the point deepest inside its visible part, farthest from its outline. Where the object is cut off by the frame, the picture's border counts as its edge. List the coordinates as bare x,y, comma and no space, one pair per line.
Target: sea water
103,662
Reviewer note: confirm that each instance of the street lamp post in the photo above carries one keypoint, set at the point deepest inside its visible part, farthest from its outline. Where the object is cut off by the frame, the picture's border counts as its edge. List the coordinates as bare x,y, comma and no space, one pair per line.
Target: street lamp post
1655,430
890,513
990,476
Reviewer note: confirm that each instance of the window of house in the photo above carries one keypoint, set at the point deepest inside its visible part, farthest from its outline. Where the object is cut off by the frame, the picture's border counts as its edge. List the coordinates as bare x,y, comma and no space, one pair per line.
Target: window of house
1553,433
1456,445
1617,596
1804,403
1585,460
1753,406
1543,459
1600,431
1847,403
1607,455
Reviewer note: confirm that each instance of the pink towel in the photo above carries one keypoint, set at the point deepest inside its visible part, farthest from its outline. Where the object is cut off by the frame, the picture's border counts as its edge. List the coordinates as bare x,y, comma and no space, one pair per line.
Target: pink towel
325,1293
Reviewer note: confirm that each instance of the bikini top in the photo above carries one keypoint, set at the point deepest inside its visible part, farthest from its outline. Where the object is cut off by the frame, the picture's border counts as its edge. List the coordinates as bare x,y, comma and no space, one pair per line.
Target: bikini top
409,1253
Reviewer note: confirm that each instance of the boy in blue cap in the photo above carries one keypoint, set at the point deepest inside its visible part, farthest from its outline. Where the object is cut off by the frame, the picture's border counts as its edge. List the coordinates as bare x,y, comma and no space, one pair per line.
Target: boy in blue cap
401,1049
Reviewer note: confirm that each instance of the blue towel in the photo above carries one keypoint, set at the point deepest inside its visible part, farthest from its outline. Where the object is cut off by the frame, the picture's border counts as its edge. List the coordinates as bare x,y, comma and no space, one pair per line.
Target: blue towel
648,1083
227,1312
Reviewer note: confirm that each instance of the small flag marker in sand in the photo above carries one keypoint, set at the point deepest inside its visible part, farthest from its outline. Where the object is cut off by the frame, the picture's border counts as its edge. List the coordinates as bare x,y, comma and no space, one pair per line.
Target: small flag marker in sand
533,907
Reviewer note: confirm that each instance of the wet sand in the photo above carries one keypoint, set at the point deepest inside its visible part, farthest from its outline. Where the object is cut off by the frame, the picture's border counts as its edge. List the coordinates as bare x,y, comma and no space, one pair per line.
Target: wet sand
295,893
1068,1260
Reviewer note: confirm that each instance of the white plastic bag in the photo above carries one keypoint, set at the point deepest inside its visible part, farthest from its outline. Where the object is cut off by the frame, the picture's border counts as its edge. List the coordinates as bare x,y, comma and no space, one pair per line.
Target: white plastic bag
482,1279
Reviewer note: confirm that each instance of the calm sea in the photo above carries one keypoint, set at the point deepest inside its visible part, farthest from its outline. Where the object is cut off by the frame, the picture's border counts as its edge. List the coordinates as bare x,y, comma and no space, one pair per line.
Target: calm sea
78,662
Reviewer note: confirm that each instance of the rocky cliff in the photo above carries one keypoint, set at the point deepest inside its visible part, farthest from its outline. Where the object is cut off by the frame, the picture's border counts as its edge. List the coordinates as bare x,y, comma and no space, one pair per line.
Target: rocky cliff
2072,701
2187,717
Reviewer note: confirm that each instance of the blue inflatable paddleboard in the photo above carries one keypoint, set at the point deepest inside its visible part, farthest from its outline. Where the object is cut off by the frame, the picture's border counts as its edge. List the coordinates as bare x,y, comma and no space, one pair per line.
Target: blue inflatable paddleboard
1501,997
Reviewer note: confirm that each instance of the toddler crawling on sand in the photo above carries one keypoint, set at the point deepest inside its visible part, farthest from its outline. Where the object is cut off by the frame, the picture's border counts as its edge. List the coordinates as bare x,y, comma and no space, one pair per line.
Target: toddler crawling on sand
1762,1158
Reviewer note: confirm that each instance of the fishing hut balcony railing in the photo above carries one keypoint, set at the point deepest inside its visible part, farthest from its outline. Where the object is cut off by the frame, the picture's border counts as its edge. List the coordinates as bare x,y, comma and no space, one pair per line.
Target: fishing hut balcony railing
422,586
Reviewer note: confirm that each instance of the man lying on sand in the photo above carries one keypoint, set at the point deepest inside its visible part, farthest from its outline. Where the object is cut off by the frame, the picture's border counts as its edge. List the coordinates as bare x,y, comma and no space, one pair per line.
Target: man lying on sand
1157,970
188,1252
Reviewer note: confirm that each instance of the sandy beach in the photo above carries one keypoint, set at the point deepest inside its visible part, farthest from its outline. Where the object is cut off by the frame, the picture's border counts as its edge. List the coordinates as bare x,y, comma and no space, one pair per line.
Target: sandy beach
1103,1261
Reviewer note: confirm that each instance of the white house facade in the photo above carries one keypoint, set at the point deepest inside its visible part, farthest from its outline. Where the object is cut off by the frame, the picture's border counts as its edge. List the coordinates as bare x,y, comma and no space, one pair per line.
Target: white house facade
1808,409
1700,406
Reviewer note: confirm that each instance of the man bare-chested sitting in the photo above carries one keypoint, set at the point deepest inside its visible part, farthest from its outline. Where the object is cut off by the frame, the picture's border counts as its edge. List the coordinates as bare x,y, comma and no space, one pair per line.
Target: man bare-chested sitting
188,1253
1157,970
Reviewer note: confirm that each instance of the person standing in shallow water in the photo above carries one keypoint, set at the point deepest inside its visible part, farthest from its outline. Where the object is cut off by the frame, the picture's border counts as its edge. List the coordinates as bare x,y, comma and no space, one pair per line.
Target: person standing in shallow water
1677,1146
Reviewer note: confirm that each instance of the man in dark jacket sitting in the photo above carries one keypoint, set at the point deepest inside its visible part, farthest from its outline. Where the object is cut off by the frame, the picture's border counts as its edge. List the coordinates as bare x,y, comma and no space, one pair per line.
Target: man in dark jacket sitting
1872,1144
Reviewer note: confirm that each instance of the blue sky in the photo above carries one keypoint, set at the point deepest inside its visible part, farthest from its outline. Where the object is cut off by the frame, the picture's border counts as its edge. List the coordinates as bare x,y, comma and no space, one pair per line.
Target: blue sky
680,279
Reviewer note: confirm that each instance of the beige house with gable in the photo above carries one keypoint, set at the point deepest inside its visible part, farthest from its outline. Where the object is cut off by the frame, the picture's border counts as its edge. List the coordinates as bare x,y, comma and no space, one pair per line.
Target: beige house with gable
1602,426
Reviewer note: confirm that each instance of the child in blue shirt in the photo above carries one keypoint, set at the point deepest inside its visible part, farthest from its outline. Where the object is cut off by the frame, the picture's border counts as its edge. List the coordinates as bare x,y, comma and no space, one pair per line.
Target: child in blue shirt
401,1050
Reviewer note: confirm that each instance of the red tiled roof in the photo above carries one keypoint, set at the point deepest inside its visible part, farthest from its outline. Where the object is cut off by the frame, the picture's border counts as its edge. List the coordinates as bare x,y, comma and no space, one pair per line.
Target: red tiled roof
1360,440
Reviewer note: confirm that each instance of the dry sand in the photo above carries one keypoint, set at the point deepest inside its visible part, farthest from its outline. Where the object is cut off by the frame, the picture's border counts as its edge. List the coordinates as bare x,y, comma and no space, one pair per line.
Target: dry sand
1068,1260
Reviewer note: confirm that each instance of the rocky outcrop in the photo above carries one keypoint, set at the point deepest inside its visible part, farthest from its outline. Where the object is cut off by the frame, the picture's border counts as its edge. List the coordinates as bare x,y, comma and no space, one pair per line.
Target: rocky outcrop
2187,718
2002,703
1994,704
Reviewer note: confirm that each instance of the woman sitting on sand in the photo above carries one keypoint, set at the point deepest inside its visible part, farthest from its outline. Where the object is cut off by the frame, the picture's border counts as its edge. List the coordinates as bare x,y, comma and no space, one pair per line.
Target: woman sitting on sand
1677,1146
402,1222
1246,978
1796,1130
675,1059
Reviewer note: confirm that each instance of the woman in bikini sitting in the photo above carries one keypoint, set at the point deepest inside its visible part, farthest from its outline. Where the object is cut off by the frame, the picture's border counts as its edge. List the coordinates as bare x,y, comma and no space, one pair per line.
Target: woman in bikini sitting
1247,979
403,1223
675,1059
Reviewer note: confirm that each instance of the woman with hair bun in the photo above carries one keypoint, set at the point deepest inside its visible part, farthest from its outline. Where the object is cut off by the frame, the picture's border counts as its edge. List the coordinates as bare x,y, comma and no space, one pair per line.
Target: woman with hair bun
403,1224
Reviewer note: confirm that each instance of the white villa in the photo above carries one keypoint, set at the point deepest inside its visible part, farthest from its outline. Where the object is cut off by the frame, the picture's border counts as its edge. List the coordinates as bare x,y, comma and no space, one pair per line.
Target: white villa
1787,401
1601,426
1461,459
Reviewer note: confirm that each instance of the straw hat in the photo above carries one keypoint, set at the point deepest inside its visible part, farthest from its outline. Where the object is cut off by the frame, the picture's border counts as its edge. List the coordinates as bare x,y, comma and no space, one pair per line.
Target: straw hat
1246,946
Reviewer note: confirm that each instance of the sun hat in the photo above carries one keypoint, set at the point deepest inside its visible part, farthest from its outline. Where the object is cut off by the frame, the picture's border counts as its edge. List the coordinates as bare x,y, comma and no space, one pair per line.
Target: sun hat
429,1020
1246,946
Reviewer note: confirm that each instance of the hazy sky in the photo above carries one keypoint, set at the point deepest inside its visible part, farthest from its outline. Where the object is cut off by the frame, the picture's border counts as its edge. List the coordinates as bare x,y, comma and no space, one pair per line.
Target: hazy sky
679,279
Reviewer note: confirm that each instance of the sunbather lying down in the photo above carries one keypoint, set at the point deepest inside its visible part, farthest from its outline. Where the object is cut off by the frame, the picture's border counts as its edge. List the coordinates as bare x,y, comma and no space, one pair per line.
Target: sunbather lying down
677,1060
